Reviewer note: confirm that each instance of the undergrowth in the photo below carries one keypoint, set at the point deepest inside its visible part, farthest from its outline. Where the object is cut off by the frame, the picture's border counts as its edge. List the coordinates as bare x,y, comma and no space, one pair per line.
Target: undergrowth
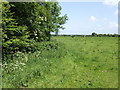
19,71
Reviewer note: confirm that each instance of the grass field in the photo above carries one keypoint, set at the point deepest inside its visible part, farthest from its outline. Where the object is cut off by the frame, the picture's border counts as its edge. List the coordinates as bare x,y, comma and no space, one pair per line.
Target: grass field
78,62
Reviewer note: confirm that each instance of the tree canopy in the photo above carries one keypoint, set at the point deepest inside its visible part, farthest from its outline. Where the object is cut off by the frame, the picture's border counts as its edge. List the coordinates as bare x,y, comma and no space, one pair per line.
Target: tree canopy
26,22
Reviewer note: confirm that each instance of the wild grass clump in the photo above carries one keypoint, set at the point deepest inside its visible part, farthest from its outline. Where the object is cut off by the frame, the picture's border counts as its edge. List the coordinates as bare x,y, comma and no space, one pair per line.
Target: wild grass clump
26,66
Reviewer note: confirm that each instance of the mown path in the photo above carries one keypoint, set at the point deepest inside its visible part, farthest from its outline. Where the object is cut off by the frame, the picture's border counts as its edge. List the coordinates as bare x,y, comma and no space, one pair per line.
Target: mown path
90,62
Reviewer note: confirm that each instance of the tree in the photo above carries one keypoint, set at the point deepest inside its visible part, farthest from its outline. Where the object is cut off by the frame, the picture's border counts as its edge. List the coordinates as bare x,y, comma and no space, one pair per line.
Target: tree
14,36
23,22
55,20
32,15
41,18
94,34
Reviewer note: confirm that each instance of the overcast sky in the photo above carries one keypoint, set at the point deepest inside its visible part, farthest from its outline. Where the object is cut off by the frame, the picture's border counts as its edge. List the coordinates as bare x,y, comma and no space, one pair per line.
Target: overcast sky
88,17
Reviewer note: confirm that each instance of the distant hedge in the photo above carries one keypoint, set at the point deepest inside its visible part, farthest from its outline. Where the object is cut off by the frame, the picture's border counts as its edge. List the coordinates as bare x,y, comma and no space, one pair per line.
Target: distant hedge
93,35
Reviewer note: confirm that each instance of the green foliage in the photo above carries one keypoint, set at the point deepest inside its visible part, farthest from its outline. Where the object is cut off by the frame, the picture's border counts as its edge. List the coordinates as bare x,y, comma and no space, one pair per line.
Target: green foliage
40,18
26,23
63,62
55,20
15,37
94,34
79,62
104,35
17,73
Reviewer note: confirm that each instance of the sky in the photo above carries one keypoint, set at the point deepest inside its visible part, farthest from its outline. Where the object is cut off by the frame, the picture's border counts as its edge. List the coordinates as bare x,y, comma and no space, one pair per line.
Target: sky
88,17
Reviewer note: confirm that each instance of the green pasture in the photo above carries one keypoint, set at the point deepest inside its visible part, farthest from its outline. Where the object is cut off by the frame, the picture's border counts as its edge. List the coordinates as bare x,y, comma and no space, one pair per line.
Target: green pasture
70,62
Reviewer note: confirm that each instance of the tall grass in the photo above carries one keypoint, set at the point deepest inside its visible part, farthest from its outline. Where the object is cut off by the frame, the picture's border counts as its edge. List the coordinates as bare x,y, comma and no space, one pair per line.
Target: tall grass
24,67
65,62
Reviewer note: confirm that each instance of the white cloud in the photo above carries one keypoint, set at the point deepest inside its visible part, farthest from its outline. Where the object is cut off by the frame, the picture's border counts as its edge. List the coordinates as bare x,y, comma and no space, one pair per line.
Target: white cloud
111,2
113,25
93,18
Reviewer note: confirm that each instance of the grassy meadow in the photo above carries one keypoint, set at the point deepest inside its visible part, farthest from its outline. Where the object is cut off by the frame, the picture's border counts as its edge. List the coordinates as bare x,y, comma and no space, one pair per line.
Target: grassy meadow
66,62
